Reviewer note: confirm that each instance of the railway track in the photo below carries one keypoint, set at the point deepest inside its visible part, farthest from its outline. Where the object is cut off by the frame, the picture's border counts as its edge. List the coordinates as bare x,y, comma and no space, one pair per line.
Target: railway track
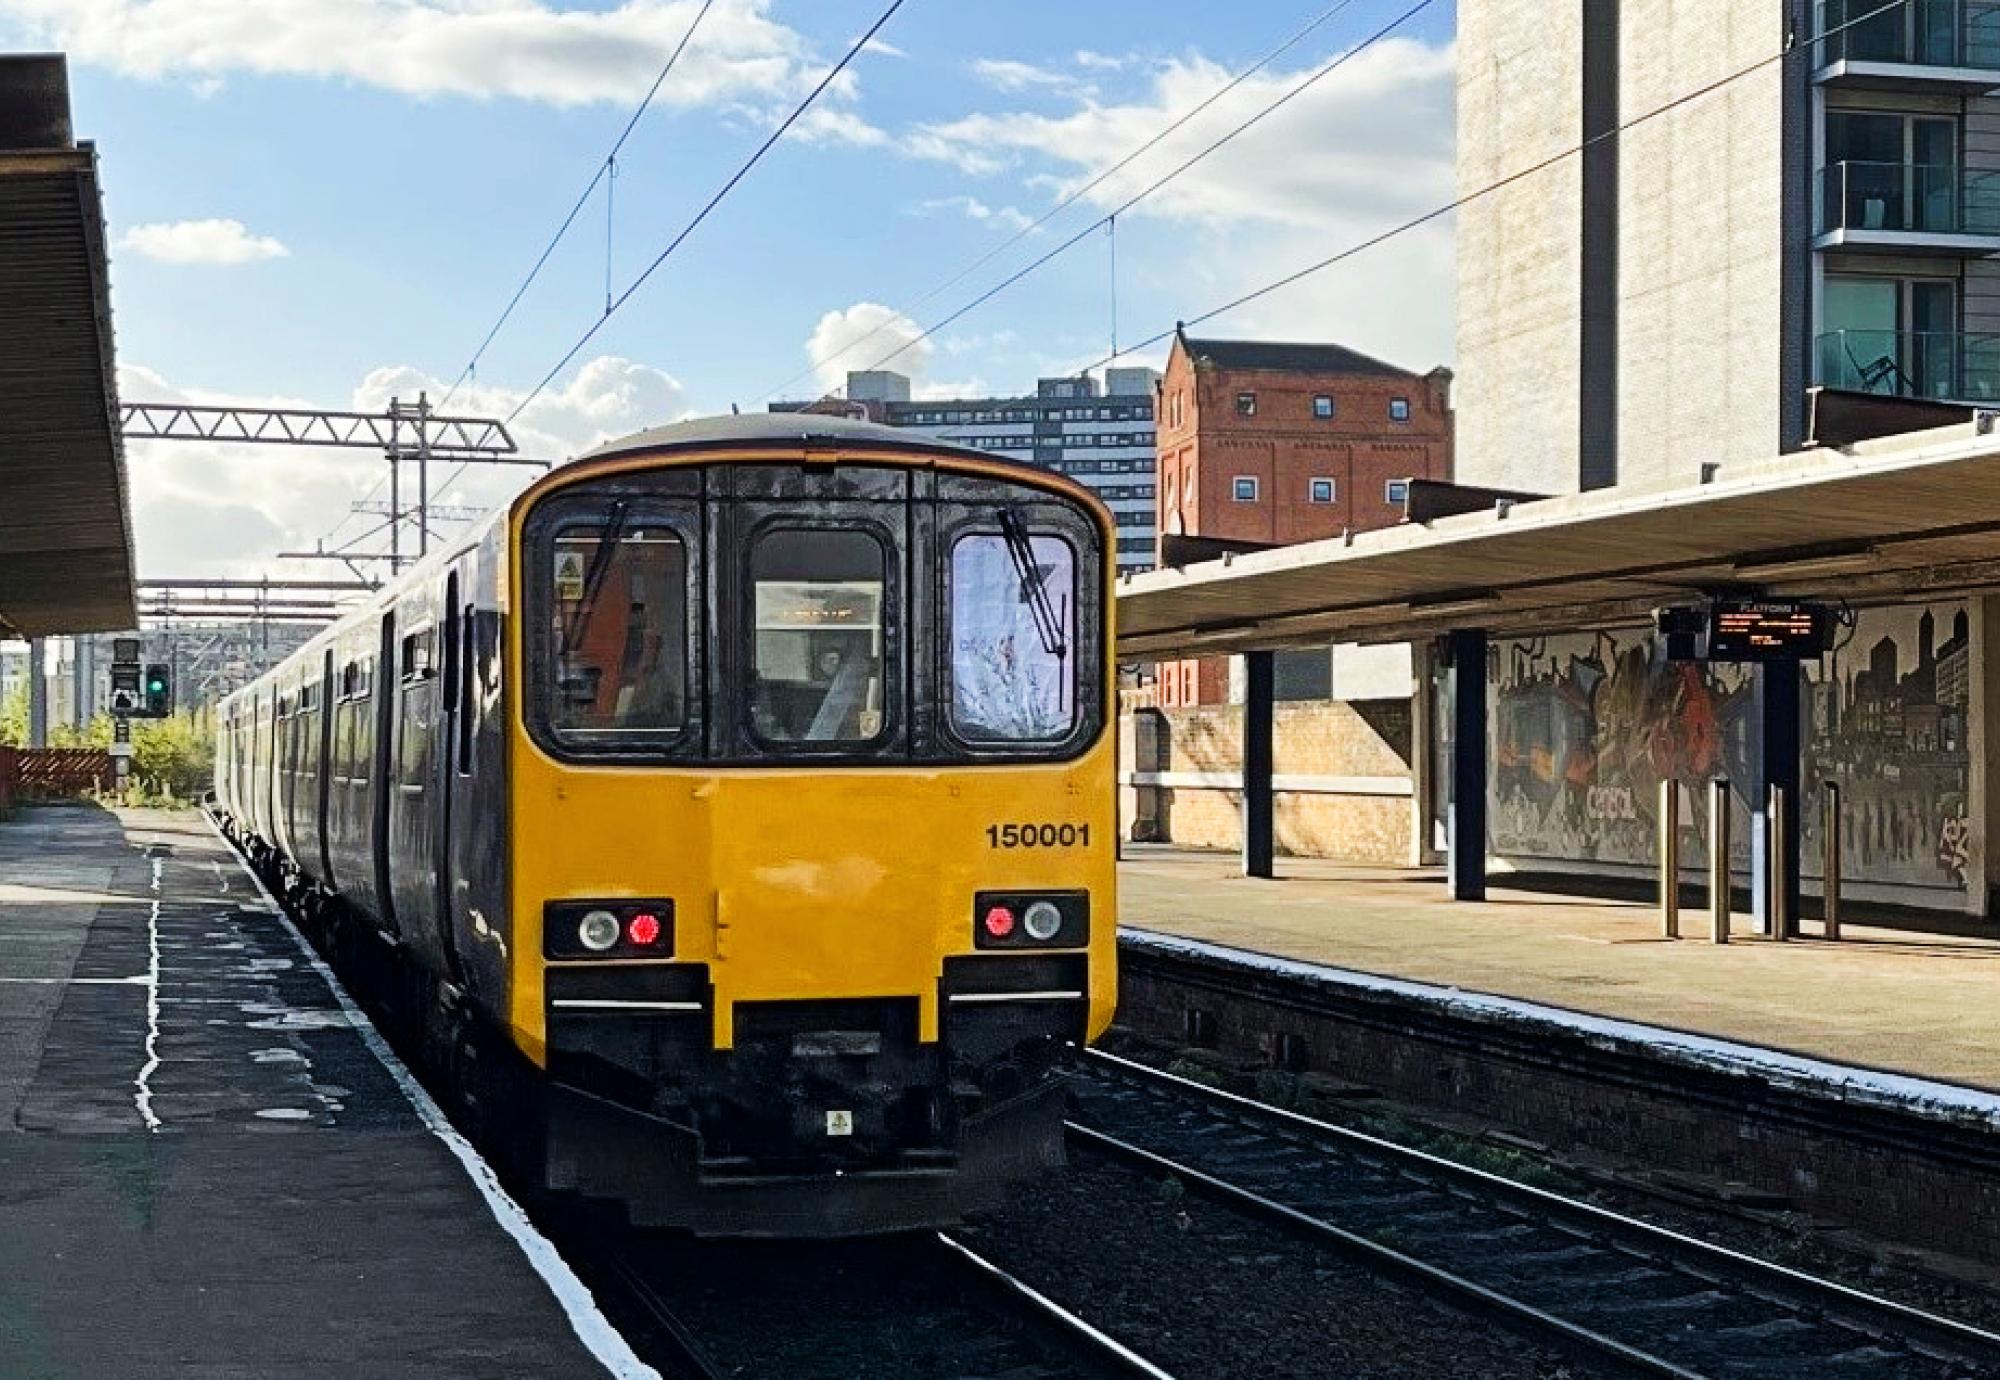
912,1308
1640,1297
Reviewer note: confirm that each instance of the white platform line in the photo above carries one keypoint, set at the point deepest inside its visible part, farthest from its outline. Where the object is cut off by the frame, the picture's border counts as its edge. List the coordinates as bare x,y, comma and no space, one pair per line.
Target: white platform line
142,1095
592,1328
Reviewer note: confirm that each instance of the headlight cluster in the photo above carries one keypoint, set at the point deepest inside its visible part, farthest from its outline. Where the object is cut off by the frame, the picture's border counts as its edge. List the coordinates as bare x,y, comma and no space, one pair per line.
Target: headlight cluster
1030,919
608,929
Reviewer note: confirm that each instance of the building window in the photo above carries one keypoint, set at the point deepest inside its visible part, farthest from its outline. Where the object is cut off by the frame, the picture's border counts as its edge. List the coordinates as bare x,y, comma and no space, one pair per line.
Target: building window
1246,404
1399,409
1243,488
1396,491
1320,491
1323,406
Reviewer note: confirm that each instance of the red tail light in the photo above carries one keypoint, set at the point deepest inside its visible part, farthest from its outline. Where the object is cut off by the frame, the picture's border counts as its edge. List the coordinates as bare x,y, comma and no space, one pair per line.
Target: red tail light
644,929
999,922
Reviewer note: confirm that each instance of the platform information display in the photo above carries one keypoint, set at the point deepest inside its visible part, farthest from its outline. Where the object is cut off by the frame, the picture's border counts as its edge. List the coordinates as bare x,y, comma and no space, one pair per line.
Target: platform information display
1766,629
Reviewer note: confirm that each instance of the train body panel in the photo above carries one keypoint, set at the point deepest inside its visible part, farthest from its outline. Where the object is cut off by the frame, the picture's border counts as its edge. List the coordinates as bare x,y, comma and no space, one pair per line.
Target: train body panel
755,788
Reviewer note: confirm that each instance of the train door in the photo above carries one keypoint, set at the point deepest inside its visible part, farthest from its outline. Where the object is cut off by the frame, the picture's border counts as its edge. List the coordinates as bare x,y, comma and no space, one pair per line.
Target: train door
383,769
449,759
323,765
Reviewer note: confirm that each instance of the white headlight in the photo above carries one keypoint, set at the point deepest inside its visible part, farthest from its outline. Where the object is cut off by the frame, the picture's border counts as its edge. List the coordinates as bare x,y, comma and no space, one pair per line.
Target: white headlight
1042,921
598,930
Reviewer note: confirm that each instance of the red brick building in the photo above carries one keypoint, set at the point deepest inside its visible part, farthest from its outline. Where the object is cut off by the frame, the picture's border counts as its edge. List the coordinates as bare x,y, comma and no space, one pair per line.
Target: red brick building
1274,443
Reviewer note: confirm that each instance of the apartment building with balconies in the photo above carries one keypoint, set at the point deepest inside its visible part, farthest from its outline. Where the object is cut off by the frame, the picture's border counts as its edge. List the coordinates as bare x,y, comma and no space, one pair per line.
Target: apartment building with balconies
1740,227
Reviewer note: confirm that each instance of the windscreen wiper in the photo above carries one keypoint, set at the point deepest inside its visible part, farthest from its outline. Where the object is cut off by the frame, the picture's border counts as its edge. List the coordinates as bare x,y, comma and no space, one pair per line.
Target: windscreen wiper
593,578
1048,626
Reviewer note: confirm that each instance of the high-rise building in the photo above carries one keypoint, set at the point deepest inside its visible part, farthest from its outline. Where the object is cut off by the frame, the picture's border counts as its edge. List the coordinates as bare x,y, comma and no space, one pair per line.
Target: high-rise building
1771,195
1100,436
1665,299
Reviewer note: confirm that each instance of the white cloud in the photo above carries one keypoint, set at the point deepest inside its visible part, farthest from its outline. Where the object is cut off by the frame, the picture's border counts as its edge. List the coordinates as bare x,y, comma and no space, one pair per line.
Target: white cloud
211,509
824,125
1367,146
1376,133
972,208
223,242
1099,62
1005,74
874,332
524,49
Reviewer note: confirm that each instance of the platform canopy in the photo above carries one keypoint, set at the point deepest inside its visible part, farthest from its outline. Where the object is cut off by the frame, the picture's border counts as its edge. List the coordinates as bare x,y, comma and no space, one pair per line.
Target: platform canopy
1915,515
65,520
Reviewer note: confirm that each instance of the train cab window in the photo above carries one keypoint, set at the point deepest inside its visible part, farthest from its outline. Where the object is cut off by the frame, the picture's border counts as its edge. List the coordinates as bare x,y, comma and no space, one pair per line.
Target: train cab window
618,631
816,660
1013,637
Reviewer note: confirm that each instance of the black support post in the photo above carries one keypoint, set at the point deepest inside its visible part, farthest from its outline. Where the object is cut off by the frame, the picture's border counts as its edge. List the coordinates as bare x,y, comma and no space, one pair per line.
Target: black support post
1258,694
1466,820
1774,862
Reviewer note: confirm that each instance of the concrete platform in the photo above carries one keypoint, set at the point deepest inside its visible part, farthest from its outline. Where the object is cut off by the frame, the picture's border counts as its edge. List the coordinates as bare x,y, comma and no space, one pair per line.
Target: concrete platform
1922,1005
207,1165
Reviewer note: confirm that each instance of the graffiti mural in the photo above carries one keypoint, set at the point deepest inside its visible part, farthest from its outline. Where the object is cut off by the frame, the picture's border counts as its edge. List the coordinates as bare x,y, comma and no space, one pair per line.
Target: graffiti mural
1586,726
1886,716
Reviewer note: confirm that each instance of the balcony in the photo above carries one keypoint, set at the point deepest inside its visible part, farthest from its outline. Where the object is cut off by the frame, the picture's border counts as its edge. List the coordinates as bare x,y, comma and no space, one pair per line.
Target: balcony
1942,45
1939,365
1907,208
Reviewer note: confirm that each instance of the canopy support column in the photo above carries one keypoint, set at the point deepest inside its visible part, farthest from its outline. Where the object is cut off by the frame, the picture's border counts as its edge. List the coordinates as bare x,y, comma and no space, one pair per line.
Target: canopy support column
1259,693
1466,819
1774,856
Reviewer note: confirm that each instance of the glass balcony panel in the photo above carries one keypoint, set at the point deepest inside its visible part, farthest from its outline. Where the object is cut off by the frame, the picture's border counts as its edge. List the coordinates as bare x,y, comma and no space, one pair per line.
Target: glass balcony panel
1930,33
1939,365
1911,198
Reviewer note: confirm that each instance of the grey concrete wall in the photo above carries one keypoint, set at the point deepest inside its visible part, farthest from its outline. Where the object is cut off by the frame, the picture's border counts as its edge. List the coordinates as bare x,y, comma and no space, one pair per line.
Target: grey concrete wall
1519,250
1702,237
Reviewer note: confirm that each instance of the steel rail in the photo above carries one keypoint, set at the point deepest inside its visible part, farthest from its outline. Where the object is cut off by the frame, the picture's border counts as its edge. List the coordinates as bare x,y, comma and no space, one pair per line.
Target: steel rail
1101,1345
1870,1314
1461,1290
680,1338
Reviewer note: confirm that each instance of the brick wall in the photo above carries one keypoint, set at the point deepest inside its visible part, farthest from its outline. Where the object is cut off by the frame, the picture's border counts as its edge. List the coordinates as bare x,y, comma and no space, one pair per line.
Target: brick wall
1205,444
1350,762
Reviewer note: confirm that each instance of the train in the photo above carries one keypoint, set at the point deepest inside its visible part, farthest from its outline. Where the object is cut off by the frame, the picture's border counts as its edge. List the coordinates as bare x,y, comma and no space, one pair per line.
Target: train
728,823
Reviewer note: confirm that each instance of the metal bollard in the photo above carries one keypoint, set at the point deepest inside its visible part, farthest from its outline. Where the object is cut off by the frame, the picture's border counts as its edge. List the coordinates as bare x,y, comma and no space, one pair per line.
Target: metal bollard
1830,856
1774,846
1718,860
1670,859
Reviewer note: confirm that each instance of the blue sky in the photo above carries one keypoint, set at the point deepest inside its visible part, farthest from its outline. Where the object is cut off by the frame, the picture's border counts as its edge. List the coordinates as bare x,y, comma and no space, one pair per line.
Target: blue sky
393,167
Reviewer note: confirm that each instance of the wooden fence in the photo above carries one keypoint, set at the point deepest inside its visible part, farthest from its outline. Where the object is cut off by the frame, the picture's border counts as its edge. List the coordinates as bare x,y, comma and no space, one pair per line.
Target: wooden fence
43,773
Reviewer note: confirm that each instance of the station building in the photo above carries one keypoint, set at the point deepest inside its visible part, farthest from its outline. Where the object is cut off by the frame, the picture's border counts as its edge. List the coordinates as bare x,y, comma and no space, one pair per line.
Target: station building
1652,323
1264,443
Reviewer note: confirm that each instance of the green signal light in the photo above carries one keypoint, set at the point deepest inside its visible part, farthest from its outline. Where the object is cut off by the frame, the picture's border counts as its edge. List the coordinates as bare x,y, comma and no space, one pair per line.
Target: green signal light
156,686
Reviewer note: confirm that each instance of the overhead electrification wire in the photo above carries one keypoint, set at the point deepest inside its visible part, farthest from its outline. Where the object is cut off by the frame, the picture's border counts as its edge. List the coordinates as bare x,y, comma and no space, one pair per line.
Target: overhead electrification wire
1073,197
1312,79
608,164
606,167
1791,46
714,201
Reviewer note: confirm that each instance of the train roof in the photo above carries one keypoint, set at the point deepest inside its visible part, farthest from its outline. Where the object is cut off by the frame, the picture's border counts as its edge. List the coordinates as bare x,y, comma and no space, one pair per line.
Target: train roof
778,430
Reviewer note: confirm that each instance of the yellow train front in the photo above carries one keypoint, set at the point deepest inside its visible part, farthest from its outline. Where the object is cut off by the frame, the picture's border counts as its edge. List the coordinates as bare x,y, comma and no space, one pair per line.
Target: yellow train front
752,781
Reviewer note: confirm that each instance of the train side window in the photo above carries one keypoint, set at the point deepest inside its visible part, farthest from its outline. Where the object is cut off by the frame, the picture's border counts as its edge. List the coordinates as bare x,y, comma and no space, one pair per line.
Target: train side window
817,648
619,624
419,654
1013,656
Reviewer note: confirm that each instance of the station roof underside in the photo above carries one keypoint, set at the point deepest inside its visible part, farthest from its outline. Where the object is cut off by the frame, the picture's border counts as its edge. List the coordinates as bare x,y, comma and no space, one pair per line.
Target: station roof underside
1918,515
65,522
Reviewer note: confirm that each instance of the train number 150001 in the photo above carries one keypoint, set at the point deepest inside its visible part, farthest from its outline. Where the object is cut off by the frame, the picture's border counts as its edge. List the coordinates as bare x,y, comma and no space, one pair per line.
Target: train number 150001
1037,835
